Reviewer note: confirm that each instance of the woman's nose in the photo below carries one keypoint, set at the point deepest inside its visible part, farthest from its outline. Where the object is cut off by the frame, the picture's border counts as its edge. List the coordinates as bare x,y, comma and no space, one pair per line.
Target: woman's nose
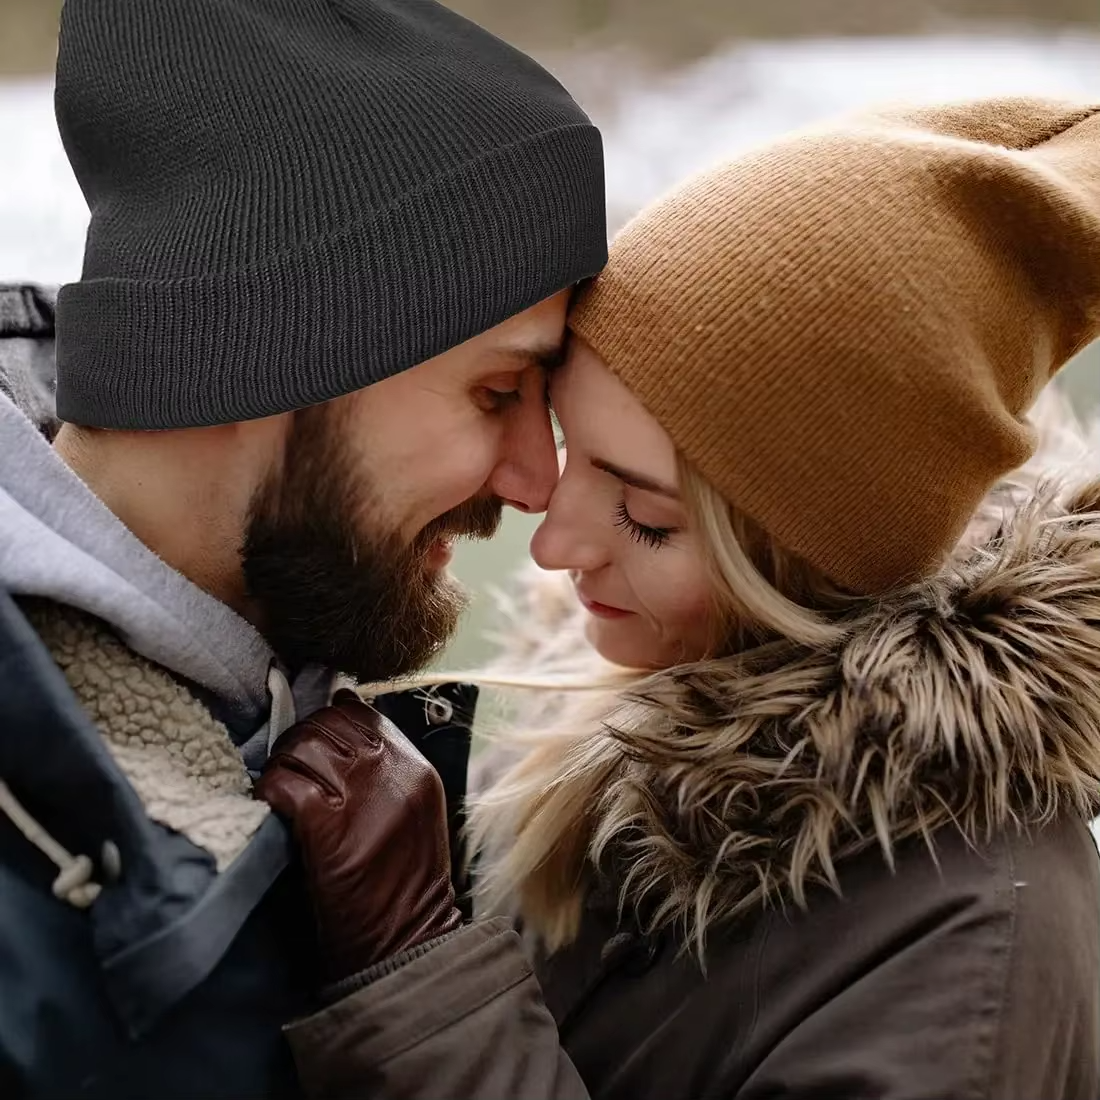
566,539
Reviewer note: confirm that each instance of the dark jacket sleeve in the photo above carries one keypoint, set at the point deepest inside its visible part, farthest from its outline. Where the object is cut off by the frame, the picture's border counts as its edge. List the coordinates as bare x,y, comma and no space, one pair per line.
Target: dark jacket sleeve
465,1019
976,980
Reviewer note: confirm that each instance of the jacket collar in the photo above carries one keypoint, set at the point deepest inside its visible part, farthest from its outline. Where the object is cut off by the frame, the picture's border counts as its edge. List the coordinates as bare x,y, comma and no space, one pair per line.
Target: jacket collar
163,922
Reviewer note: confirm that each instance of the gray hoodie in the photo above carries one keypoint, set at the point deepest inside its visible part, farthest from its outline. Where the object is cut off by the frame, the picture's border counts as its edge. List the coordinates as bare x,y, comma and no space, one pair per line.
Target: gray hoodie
60,542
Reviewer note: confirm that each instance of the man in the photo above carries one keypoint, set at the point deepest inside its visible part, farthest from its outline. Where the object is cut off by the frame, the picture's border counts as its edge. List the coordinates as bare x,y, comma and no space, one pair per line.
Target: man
330,248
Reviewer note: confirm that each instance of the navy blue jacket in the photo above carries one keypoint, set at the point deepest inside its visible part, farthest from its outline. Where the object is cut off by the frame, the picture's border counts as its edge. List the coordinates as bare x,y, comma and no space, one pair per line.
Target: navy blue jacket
177,981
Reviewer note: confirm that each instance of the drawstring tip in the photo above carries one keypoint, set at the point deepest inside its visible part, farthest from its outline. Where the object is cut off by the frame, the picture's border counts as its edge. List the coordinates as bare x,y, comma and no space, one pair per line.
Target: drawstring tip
282,706
74,884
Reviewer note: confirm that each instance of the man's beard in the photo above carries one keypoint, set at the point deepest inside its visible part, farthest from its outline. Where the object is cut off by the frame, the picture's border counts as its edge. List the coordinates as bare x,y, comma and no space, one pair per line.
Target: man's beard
331,591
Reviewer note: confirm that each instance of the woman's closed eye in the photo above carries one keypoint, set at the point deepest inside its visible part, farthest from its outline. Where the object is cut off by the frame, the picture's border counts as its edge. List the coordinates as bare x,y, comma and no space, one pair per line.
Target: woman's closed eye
654,537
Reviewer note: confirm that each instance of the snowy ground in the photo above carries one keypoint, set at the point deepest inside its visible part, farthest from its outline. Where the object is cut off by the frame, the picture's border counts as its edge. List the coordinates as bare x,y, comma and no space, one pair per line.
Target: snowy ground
658,127
747,95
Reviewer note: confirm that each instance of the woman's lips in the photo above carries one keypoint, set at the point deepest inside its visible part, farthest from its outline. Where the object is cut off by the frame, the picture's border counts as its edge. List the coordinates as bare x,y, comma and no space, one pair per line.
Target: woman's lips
602,610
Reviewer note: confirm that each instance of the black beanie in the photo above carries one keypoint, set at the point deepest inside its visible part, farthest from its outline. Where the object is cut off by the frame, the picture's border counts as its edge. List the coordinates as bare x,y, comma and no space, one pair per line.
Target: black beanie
292,199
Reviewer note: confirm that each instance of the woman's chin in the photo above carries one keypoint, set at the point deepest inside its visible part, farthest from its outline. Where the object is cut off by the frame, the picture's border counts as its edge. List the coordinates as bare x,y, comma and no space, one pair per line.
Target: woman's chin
617,641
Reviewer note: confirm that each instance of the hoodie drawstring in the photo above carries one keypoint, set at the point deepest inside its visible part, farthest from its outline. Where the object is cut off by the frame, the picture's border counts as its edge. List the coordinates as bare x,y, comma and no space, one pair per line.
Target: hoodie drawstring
74,880
283,714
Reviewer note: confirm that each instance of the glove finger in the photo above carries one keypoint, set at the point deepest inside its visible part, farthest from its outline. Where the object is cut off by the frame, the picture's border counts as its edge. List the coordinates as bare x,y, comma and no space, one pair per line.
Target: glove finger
289,793
314,753
355,723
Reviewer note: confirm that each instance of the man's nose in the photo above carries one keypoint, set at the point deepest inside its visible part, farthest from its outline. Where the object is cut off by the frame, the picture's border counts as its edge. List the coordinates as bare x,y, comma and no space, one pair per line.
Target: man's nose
528,471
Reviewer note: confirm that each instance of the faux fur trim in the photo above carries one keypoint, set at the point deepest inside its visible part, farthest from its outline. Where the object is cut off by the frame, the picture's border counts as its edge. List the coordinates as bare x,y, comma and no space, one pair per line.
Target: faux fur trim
179,759
971,700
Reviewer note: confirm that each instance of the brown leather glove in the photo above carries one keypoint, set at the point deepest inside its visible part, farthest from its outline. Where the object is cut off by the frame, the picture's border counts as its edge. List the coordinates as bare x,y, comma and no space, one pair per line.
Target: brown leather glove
369,814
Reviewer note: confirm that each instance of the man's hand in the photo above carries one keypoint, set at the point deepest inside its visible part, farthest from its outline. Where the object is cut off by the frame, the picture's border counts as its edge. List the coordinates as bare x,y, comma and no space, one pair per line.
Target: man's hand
369,814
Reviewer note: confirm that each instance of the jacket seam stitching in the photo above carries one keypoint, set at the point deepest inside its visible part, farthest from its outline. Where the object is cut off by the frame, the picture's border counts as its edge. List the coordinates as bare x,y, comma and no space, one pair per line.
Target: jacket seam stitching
383,969
757,972
996,1037
425,1033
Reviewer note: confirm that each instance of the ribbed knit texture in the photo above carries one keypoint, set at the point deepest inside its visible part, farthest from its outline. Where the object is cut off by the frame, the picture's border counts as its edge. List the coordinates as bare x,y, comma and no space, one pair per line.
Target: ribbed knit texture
844,330
292,199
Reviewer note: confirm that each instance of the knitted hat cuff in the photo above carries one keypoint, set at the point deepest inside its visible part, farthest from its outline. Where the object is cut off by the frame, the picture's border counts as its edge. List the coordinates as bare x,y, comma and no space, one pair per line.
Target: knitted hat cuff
334,315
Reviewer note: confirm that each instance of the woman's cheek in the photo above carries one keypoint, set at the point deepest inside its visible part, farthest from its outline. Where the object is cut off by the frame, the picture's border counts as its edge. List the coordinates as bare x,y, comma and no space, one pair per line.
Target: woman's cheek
678,596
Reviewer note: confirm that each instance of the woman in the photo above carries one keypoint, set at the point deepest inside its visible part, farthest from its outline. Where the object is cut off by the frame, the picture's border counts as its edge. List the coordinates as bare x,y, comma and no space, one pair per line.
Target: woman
831,839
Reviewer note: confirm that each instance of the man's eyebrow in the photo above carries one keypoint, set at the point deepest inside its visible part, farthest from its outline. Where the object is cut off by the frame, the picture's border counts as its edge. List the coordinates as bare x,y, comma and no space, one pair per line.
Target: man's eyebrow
547,358
634,480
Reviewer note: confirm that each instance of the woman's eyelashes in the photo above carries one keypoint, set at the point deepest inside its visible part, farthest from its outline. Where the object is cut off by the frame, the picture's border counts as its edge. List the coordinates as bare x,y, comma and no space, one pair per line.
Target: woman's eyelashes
654,537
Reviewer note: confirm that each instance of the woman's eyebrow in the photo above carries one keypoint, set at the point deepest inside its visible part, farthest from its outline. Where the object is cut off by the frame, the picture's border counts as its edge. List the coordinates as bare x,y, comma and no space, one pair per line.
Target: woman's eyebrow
634,480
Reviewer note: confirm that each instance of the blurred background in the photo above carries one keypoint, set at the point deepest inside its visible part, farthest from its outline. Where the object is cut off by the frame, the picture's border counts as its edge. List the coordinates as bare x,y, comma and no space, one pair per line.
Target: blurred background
673,85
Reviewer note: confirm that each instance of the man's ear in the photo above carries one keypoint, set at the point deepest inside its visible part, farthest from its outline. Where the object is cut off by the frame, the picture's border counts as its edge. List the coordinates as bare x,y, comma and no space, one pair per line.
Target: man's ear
255,447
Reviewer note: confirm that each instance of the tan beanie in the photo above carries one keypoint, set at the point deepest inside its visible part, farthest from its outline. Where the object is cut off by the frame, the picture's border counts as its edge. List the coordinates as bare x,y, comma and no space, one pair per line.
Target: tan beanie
845,329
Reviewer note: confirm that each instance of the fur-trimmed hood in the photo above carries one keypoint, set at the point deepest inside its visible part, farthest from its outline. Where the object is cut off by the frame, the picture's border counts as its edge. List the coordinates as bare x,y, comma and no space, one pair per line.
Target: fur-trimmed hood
969,701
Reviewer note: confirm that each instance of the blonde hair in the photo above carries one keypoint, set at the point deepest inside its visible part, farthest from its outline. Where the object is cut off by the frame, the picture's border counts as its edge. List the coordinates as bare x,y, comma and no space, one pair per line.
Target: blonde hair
761,591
